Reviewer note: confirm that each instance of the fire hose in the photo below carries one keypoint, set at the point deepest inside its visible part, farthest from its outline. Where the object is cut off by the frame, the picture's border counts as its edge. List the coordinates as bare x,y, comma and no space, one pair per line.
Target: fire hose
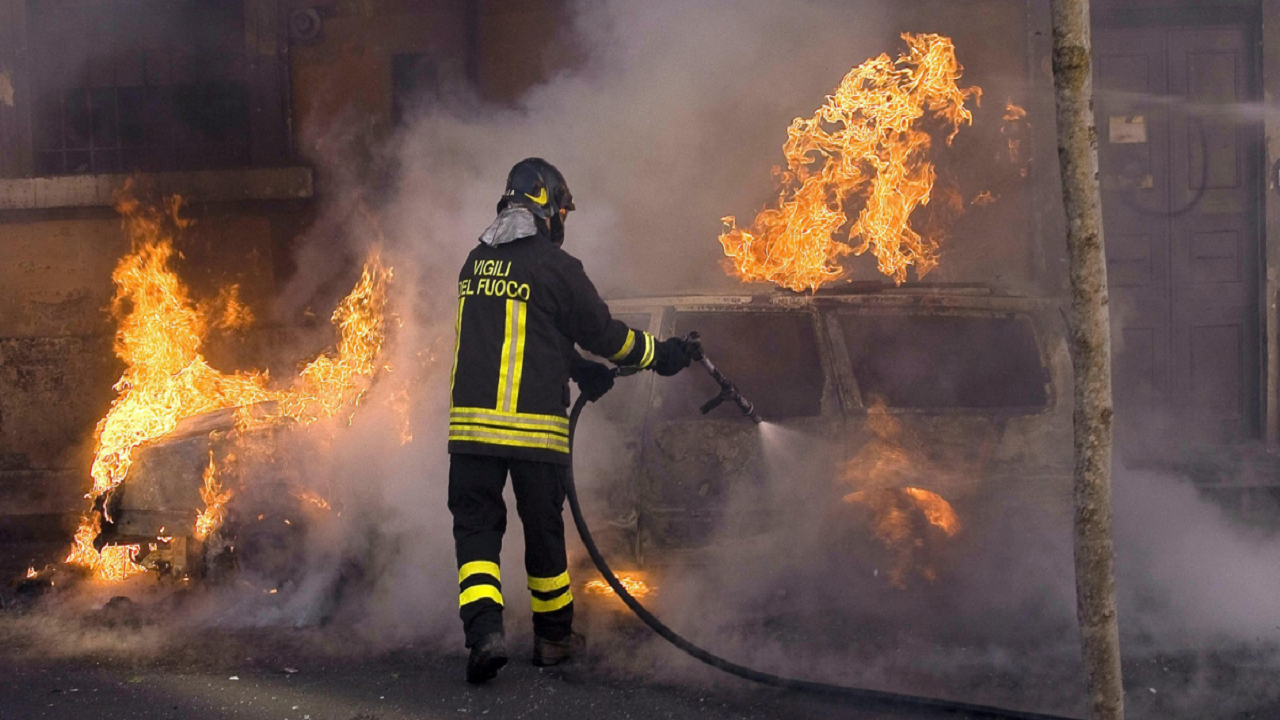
879,699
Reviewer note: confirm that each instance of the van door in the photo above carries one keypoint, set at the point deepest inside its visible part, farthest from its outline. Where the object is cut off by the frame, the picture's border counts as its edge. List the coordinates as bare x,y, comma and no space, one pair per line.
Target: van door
707,477
949,401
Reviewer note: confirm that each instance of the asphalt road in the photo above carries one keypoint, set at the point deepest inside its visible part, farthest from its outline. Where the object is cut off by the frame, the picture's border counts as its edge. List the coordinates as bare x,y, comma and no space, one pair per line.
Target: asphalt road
413,683
52,668
417,686
131,661
65,655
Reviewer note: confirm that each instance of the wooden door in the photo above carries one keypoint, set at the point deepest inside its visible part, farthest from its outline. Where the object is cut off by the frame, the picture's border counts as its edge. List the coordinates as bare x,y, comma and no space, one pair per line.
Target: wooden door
1177,159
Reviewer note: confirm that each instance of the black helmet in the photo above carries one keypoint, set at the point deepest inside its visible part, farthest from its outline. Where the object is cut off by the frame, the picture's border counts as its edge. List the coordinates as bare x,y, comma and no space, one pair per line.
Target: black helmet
537,185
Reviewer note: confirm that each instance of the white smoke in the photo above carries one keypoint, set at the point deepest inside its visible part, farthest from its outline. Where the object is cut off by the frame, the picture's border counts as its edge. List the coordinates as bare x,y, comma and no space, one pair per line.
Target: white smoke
659,132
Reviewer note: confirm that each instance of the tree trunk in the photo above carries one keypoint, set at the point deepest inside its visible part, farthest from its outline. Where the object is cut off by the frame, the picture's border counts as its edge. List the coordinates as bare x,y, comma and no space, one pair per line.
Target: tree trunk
1091,359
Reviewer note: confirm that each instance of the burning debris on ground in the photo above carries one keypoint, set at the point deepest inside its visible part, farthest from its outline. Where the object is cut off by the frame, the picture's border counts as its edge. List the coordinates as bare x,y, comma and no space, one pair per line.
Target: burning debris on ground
222,425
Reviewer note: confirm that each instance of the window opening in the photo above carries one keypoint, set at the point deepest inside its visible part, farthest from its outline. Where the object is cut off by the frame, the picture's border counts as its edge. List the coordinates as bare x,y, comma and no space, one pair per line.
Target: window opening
772,356
945,361
138,85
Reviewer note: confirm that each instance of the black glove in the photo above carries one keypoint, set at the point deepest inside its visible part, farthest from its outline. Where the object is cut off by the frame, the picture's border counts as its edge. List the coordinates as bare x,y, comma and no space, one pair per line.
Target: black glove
673,355
594,379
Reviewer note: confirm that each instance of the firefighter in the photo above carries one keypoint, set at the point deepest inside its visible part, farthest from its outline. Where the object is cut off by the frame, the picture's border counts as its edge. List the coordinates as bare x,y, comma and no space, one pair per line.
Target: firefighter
523,305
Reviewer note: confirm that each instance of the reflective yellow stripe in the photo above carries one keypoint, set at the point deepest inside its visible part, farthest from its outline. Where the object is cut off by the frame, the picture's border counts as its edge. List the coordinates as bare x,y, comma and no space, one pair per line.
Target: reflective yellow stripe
457,343
517,372
512,357
535,443
509,442
513,427
524,417
506,432
649,343
541,443
479,592
504,358
546,606
545,424
549,584
478,567
512,438
626,346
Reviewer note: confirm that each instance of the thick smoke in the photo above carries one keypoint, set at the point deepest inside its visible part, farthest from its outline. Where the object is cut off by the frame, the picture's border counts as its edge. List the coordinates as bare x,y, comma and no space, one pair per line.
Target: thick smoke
1190,576
659,132
670,121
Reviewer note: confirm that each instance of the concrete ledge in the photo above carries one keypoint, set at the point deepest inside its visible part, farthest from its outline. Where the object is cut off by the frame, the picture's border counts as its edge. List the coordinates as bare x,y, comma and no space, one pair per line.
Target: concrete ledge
73,191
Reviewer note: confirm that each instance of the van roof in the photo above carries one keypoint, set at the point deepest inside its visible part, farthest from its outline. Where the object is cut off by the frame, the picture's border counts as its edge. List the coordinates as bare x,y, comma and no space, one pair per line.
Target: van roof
860,294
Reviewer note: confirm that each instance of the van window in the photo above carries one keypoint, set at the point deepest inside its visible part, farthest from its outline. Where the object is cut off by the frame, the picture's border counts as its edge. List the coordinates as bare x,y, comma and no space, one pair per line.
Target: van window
772,356
944,361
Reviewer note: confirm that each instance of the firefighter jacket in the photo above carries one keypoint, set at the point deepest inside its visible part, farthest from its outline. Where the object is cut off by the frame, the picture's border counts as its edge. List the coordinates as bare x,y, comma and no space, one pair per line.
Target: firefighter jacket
522,305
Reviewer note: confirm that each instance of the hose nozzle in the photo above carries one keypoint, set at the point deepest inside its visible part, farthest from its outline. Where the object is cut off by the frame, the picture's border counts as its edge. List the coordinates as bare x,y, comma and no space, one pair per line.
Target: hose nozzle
728,391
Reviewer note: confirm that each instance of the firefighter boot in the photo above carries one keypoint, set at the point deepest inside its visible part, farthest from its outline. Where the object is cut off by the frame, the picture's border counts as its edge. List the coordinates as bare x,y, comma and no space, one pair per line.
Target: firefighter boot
487,657
553,652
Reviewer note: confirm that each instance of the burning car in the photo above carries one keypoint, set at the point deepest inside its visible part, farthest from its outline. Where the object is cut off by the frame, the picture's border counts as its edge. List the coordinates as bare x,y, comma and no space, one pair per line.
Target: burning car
179,430
926,404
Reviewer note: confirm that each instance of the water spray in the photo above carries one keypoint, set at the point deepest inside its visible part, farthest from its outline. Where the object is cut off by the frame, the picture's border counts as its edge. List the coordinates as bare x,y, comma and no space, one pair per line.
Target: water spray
879,699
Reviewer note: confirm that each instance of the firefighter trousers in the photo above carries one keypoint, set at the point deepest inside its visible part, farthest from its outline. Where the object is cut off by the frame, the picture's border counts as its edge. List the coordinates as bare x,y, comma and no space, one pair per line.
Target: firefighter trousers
479,521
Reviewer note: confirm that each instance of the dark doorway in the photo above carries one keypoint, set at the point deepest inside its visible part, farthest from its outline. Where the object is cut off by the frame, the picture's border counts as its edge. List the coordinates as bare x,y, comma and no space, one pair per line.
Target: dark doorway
1178,155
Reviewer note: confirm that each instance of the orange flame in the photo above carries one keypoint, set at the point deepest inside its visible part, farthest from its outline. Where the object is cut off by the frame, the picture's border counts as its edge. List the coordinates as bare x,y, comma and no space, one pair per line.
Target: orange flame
633,585
893,509
983,199
228,311
113,564
1015,128
215,502
881,466
160,336
936,510
311,498
333,381
868,141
